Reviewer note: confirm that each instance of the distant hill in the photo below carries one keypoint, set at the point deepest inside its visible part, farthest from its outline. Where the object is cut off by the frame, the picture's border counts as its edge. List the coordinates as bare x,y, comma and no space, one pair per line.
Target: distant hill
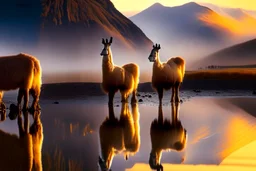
183,28
192,30
240,54
69,31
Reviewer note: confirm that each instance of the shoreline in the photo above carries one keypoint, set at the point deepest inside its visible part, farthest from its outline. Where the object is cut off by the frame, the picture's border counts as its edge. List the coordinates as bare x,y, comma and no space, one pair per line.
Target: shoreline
85,89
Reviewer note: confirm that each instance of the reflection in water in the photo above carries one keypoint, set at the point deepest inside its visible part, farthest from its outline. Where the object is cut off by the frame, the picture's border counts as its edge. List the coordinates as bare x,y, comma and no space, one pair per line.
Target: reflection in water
23,152
166,135
119,136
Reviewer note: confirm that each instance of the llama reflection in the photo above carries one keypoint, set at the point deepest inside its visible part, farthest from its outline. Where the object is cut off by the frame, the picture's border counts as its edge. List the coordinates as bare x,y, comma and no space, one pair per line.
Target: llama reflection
22,152
166,135
119,136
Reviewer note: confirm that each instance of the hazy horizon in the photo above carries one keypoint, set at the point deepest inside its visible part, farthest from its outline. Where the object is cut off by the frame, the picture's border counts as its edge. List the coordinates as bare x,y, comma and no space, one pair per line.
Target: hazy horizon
128,8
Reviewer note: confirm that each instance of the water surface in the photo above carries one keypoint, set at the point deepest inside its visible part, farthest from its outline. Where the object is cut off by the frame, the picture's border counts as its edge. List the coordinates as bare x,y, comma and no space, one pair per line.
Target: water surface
215,127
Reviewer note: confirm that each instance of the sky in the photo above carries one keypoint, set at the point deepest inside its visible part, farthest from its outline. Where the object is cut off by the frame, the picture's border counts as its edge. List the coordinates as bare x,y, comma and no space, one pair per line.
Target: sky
130,7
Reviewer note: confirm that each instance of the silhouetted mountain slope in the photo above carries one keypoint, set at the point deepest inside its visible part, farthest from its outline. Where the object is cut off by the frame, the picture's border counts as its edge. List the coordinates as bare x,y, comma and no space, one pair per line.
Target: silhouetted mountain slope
240,54
64,34
96,17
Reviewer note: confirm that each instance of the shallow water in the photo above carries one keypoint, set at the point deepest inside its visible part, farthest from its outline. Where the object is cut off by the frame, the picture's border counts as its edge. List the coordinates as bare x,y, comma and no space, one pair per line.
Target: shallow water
215,128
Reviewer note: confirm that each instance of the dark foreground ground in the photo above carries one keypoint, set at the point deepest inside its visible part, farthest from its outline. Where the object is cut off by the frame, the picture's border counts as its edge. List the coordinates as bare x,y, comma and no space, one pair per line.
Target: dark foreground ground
69,90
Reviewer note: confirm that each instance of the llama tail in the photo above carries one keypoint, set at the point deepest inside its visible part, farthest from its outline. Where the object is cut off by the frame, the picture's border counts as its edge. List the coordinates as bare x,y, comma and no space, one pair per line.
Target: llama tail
37,81
135,71
180,62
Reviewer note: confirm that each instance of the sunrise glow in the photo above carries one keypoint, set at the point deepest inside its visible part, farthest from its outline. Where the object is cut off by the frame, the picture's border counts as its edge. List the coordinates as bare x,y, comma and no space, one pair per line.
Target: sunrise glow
243,26
133,6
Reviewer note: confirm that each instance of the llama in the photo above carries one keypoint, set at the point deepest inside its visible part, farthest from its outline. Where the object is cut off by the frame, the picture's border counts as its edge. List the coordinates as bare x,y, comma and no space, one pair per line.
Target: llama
119,136
166,75
23,152
166,135
23,72
114,78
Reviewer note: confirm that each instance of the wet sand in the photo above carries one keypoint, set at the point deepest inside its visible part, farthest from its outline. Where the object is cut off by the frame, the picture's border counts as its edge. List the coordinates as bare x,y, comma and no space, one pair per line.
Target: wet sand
216,125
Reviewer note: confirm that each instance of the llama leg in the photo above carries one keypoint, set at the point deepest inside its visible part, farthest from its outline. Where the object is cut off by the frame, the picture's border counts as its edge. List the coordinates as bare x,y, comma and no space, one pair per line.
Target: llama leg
20,96
124,97
26,100
35,104
160,95
111,97
177,96
173,93
1,101
134,99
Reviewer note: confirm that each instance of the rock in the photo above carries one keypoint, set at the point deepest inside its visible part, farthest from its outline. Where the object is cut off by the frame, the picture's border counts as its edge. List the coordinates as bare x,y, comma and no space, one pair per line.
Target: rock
149,96
140,100
117,105
197,91
181,101
138,95
56,102
254,92
217,92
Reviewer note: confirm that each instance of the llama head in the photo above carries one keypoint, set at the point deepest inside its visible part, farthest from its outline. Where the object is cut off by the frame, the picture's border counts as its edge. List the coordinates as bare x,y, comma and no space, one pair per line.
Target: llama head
154,53
106,49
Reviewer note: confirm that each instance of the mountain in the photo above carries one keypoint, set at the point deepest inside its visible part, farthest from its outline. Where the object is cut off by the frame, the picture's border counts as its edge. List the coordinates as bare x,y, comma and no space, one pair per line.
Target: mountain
69,31
182,27
191,30
240,54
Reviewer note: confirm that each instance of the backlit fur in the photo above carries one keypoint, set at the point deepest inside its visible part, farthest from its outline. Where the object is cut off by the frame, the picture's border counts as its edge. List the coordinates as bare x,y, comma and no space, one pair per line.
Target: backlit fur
22,152
21,72
114,78
167,75
119,136
166,136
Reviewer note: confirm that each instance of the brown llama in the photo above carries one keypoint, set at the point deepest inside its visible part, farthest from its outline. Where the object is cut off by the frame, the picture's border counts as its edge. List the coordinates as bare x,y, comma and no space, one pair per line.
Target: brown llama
114,78
21,72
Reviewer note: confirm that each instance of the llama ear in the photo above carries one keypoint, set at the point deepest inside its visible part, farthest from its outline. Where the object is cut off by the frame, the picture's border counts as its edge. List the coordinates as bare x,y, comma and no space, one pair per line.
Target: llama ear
111,38
103,41
159,46
106,41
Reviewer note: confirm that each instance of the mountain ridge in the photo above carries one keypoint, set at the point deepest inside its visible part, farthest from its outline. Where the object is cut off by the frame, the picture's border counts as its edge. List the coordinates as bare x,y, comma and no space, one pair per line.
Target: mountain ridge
239,54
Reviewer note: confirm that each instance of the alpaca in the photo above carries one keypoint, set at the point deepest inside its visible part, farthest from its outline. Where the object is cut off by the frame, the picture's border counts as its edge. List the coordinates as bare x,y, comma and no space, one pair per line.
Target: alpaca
166,75
166,135
21,72
125,78
119,136
23,152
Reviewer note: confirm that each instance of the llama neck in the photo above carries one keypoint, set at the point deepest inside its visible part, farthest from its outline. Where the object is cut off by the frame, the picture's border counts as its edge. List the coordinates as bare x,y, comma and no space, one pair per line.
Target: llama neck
107,64
158,62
